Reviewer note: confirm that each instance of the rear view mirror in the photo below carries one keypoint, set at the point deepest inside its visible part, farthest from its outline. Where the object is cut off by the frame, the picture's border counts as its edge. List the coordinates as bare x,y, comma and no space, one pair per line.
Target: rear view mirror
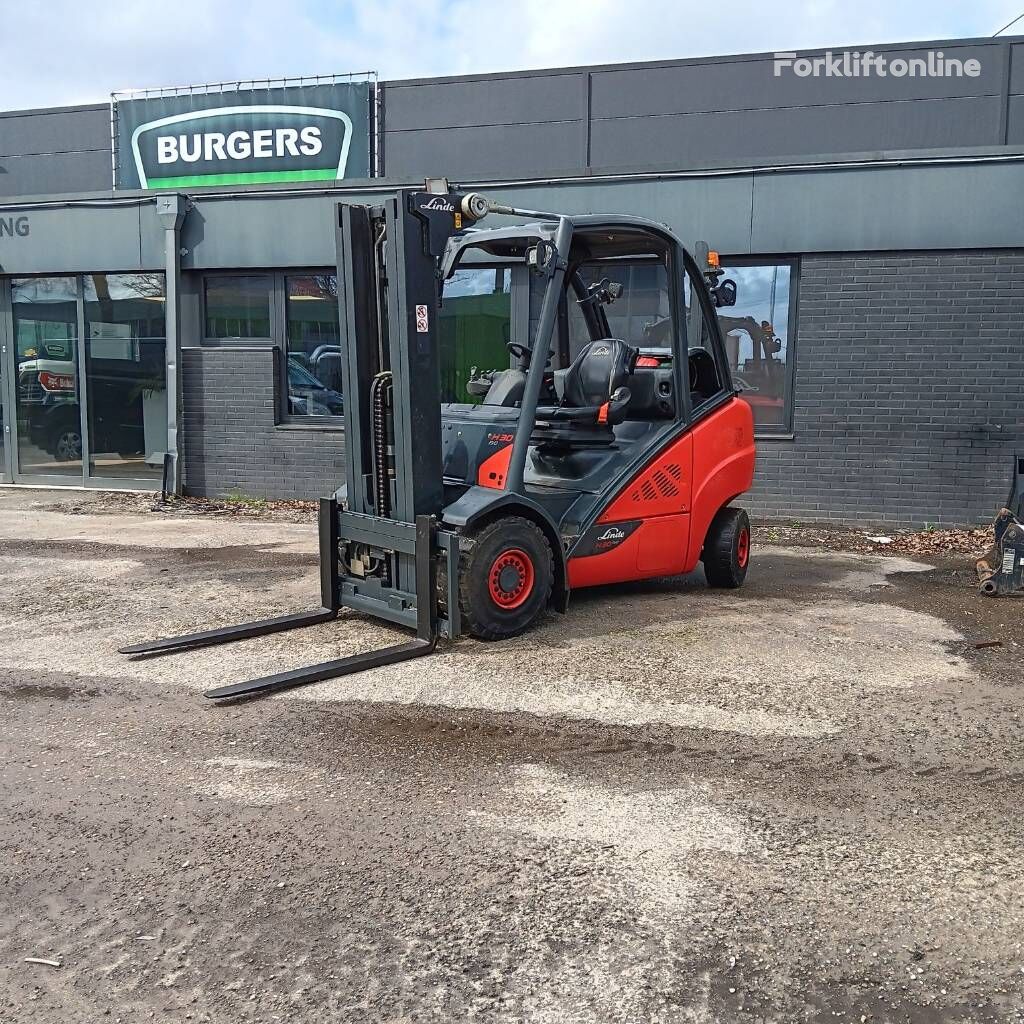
725,293
603,292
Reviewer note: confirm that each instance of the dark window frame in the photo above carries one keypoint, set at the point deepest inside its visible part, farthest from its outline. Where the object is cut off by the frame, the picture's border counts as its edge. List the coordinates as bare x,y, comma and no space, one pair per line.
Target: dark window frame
280,323
786,431
693,281
278,340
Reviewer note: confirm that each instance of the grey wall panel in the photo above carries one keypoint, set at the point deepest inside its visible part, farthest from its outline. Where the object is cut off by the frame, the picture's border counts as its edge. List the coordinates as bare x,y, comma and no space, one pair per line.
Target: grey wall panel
262,231
495,151
54,173
716,209
1015,121
63,239
889,208
56,131
1017,68
745,83
552,97
872,208
758,136
258,232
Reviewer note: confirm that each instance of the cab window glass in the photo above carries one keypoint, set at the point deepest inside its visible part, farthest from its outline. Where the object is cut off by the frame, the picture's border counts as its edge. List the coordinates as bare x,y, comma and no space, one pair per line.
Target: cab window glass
474,326
707,377
641,316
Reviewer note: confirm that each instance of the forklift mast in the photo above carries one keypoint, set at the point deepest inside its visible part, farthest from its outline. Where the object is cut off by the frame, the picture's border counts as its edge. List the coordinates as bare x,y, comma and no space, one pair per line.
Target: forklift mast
390,278
389,293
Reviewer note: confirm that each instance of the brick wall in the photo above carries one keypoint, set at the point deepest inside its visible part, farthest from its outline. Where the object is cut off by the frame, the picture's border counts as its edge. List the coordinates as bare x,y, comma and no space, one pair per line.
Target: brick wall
909,390
232,441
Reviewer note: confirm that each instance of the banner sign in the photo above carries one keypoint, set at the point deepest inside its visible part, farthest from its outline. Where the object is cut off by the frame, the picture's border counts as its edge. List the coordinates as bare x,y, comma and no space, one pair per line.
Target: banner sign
316,132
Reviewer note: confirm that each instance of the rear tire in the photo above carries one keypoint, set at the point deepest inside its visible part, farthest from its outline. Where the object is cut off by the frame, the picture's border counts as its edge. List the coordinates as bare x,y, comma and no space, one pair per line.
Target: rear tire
505,577
726,553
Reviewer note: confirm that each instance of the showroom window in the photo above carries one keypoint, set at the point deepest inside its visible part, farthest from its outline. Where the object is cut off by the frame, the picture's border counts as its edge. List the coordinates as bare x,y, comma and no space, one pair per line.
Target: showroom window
474,327
297,311
47,420
91,403
239,306
760,335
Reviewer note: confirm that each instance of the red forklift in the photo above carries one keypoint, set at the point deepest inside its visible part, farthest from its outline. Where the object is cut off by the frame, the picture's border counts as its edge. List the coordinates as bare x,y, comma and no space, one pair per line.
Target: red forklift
589,460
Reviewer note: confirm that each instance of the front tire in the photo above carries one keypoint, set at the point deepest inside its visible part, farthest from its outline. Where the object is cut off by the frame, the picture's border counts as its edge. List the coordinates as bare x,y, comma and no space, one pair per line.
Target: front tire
726,553
505,577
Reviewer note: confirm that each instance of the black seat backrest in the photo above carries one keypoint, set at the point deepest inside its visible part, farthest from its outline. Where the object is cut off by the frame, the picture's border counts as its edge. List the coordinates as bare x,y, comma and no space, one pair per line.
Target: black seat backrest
600,368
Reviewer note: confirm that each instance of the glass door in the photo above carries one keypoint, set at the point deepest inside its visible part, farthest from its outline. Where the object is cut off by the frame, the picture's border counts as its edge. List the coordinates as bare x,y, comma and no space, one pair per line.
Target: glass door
126,376
47,412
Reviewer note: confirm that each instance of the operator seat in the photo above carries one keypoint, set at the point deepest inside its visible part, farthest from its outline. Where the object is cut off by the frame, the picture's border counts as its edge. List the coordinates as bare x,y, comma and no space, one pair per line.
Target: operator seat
601,369
594,397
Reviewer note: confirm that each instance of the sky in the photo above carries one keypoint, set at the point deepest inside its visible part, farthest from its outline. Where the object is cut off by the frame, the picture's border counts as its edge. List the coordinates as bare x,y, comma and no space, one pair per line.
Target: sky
62,52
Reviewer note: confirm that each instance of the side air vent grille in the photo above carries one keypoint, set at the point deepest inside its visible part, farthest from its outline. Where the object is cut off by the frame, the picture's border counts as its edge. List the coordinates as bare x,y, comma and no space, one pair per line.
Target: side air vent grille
661,483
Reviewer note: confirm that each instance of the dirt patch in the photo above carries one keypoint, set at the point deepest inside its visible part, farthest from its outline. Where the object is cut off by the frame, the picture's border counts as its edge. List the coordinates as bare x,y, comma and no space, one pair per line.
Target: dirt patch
239,506
992,628
798,801
969,541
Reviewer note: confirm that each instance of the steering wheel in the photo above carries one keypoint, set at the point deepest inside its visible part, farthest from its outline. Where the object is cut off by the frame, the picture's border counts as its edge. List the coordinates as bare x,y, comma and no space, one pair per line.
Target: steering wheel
520,352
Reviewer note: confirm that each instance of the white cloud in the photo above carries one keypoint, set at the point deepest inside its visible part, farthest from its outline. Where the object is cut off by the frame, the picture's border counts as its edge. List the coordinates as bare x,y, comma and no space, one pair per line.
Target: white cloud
64,52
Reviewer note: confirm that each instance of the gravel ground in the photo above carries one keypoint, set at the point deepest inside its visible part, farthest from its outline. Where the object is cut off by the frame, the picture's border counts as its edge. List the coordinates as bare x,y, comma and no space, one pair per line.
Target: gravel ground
795,802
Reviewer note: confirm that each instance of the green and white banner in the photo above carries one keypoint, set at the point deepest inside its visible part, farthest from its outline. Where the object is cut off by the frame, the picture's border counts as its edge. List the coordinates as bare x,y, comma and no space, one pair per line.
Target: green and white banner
318,132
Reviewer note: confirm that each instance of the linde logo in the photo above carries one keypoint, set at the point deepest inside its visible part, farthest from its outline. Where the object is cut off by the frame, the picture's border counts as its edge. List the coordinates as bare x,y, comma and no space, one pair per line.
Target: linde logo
242,144
854,64
438,203
14,226
613,533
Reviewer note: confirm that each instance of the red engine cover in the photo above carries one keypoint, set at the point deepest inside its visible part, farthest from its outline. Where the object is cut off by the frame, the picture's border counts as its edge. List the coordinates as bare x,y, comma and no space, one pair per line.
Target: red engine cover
674,498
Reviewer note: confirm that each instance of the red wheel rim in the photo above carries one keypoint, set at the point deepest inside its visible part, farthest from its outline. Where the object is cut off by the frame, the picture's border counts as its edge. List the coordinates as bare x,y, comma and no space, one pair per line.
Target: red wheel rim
510,580
743,547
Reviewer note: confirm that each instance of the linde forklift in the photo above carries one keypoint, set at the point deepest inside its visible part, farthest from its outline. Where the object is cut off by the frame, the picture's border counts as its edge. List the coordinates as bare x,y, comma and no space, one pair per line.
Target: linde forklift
619,463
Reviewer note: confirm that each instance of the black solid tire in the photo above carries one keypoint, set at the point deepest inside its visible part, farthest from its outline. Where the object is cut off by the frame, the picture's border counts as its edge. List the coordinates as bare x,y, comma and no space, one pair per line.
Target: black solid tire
726,553
482,616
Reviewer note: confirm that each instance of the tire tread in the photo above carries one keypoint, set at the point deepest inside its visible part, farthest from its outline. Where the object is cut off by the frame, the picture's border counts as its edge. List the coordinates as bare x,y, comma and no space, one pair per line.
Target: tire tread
469,545
721,565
